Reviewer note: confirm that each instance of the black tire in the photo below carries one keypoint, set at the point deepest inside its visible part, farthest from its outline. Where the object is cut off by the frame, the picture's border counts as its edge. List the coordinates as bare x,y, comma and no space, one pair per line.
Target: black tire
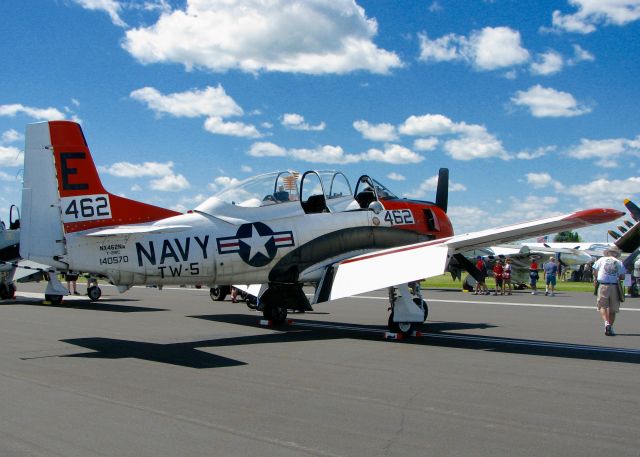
12,290
252,302
4,291
94,293
275,313
424,304
405,328
55,300
219,293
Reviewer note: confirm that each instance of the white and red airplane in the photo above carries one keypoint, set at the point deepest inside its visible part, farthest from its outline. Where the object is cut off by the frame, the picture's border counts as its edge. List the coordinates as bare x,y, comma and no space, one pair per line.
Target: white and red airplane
282,230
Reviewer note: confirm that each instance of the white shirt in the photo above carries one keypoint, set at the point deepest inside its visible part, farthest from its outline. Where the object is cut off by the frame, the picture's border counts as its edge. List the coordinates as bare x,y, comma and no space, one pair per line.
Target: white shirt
609,270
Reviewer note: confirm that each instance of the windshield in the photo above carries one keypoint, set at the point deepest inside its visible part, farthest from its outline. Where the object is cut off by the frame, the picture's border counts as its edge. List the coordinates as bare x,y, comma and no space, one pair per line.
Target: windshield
267,189
366,183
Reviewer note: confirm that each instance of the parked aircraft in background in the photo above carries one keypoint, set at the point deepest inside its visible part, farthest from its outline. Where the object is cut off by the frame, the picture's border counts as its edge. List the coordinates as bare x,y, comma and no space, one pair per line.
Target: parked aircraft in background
282,230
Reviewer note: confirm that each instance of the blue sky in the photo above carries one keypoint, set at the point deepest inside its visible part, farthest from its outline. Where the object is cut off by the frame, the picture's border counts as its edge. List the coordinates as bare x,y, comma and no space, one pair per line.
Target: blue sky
533,106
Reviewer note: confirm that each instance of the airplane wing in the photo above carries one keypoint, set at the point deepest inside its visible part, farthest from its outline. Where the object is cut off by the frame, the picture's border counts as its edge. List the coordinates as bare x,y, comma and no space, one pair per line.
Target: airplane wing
413,262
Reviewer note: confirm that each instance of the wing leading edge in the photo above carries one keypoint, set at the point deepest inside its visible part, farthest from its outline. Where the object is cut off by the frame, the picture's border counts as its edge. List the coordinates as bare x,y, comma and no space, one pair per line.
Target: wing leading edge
413,262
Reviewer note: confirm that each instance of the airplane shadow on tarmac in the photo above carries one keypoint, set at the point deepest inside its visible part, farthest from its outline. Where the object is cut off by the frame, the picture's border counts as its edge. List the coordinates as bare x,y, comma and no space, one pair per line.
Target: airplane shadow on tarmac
70,303
187,354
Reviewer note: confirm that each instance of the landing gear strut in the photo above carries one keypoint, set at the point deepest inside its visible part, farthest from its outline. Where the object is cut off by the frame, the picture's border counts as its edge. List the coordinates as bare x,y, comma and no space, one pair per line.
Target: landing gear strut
408,308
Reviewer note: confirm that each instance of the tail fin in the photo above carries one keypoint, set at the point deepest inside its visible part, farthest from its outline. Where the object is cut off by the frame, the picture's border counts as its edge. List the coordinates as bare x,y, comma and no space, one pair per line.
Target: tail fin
62,192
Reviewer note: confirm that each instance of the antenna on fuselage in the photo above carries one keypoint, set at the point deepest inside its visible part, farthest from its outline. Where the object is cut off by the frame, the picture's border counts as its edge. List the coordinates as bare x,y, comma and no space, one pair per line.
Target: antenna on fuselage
442,191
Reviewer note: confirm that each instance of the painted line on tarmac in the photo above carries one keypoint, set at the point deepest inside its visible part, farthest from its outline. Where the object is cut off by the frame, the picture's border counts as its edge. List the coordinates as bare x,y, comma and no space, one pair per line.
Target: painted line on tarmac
503,303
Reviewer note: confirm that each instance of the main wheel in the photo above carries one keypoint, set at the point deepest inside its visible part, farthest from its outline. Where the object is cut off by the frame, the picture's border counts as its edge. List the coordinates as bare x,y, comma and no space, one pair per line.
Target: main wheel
7,291
424,305
275,313
219,293
251,301
94,293
55,300
400,327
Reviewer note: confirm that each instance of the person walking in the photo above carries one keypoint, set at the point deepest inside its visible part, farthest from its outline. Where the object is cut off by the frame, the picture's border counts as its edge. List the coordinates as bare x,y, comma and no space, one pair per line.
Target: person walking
609,270
481,286
550,275
506,278
533,277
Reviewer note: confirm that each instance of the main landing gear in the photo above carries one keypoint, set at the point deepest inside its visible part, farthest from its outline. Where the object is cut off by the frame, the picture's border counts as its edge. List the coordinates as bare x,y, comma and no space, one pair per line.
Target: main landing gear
408,308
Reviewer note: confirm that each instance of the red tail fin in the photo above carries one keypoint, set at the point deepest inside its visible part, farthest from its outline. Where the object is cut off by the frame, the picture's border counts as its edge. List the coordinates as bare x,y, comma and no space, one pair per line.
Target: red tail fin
84,202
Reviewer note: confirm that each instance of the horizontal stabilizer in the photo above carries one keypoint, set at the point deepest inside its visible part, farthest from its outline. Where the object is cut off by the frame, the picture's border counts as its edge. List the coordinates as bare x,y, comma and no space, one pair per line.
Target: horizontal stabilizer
373,271
140,229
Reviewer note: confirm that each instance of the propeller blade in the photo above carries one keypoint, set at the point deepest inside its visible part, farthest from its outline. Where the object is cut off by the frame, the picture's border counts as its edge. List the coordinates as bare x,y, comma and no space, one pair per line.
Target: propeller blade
442,191
633,209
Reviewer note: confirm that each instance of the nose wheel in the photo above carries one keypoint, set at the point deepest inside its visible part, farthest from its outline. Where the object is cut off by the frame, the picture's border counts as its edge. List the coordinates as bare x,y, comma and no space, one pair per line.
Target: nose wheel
408,309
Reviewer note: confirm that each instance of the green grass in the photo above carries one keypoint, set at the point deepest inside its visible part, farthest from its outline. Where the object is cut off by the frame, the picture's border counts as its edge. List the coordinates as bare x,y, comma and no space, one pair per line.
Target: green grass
445,282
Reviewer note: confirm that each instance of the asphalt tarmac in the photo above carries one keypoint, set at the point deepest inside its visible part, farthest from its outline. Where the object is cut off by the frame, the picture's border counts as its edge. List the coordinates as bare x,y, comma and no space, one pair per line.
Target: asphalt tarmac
171,373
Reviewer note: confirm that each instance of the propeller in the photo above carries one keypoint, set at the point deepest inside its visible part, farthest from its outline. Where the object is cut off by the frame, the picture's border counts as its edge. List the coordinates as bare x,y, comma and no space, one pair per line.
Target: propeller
442,191
633,209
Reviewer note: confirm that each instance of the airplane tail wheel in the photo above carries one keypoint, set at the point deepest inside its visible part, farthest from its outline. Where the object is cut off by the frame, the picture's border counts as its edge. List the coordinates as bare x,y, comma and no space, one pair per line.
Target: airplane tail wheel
424,306
219,293
55,300
400,327
275,313
94,293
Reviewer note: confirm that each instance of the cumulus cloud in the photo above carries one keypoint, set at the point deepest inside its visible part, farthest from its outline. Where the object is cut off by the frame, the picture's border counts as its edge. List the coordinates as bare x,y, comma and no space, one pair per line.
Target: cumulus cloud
376,132
319,37
431,184
11,156
592,13
580,55
222,182
296,121
111,7
210,101
11,136
396,177
472,141
548,102
491,48
392,153
605,152
547,64
542,180
601,192
170,183
40,114
536,153
137,170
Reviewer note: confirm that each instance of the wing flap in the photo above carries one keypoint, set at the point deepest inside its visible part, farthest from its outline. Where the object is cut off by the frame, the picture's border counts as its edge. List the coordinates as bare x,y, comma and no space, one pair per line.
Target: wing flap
388,268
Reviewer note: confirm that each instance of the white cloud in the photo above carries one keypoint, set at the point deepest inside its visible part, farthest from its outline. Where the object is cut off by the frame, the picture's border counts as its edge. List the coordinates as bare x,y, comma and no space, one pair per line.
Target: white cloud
476,145
428,124
430,185
222,182
542,180
170,183
425,144
376,132
11,136
396,177
547,102
592,13
266,149
135,170
547,64
296,122
581,55
488,49
606,152
40,114
209,102
11,156
605,192
319,37
218,126
8,177
111,7
246,169
535,154
393,153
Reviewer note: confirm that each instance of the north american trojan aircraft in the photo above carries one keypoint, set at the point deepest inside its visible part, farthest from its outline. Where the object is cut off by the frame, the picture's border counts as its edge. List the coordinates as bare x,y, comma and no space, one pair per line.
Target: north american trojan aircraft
283,230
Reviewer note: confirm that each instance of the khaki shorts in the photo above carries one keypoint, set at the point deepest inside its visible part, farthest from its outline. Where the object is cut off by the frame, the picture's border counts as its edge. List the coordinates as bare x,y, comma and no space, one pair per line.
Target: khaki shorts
609,297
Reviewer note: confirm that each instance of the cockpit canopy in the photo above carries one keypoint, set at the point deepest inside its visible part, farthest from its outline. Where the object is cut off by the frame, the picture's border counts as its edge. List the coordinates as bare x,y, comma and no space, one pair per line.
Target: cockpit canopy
316,192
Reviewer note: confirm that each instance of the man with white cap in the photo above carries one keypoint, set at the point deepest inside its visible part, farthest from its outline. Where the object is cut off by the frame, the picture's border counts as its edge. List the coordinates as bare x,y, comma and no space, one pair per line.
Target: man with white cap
609,271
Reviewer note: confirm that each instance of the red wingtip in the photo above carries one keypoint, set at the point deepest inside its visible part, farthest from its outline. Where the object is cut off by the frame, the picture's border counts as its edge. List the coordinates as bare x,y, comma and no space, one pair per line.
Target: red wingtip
597,215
